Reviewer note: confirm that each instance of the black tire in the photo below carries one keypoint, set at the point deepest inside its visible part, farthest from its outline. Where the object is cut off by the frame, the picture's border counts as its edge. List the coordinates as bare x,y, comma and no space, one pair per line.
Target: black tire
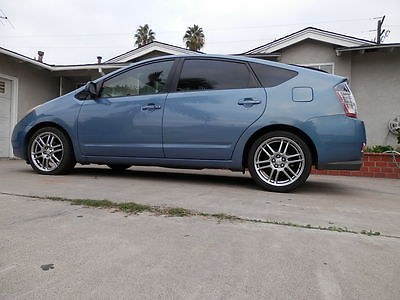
118,167
279,161
50,152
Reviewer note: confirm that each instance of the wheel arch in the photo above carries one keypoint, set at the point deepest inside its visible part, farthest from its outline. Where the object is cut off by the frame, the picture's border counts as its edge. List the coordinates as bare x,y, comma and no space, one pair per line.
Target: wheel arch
280,127
40,126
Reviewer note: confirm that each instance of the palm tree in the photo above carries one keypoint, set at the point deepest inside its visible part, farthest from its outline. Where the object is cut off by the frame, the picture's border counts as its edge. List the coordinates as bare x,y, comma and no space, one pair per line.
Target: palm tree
194,38
144,35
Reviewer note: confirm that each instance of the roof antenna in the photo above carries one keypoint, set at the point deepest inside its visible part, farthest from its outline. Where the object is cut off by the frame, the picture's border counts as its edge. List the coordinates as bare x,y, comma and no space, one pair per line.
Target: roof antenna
381,34
4,17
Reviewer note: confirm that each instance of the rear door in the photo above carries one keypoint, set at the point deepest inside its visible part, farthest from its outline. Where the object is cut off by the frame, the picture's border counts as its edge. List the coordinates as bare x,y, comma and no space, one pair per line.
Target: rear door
214,102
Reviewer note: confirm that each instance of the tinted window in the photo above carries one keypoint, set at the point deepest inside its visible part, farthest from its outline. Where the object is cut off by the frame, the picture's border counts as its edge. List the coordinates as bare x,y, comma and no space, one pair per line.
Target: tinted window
203,74
272,76
144,80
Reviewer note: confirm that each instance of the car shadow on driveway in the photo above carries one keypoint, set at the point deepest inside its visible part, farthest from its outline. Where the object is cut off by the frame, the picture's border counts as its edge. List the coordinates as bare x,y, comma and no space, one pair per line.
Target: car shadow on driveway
236,179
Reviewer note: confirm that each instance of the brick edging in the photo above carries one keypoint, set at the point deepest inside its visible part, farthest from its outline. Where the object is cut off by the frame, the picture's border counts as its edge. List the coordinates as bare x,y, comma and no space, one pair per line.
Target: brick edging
378,165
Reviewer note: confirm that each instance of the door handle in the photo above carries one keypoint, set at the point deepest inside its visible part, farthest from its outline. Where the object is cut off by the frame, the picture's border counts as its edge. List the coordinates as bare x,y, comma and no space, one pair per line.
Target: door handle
248,101
151,107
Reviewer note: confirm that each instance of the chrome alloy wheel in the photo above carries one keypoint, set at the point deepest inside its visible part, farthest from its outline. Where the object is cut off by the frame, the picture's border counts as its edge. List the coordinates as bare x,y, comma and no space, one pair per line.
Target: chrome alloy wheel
47,151
279,161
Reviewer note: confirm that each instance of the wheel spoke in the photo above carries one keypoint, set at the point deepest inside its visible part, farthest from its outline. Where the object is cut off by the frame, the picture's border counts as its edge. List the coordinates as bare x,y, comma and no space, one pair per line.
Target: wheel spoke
291,171
295,161
280,146
276,176
263,161
286,173
55,158
51,140
41,142
264,167
287,146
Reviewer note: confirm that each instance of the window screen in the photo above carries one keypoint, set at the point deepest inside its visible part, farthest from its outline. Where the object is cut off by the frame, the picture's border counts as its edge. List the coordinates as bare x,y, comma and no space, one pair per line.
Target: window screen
272,76
201,74
144,80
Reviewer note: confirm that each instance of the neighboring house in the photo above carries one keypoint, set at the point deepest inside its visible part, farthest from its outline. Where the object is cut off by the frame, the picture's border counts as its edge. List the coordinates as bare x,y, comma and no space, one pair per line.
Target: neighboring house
153,49
25,82
373,71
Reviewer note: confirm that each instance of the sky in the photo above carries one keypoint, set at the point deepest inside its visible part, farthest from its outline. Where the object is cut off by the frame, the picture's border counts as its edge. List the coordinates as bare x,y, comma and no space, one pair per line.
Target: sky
77,31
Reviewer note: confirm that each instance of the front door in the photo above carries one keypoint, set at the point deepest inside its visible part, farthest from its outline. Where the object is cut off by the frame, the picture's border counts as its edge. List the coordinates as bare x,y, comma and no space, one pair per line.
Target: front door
125,120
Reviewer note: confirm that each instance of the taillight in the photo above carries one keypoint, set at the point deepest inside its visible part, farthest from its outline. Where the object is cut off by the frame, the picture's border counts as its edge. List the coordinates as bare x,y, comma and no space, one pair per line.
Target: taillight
346,97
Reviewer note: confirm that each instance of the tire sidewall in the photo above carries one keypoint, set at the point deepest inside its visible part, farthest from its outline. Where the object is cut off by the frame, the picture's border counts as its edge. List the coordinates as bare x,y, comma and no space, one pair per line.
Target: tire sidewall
299,181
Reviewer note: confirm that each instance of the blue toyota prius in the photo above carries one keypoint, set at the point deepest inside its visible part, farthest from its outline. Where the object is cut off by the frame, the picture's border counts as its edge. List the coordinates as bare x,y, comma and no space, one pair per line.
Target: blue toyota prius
203,111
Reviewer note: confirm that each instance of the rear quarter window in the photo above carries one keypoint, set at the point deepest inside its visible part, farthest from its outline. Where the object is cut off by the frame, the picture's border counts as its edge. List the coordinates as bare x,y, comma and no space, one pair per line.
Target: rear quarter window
270,76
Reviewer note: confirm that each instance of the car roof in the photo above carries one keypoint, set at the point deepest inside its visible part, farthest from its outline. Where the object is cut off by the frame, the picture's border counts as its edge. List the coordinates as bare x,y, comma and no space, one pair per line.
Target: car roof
241,58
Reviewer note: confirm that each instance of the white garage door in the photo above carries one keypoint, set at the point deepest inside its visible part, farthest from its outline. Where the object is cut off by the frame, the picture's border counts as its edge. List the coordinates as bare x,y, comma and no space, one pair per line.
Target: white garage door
5,117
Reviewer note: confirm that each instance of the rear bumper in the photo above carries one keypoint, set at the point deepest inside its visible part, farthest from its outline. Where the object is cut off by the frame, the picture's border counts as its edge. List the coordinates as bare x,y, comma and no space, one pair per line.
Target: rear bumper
354,165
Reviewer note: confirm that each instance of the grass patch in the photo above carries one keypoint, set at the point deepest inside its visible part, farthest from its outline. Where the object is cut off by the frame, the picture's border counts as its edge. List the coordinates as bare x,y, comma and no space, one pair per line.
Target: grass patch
135,208
93,203
176,212
132,207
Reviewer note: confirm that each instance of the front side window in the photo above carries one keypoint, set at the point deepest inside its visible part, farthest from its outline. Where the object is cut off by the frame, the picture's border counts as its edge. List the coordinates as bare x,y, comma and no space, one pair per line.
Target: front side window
201,74
144,80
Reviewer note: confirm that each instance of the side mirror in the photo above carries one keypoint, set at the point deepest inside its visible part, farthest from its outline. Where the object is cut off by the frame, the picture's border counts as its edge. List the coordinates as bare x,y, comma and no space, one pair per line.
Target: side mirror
91,89
88,92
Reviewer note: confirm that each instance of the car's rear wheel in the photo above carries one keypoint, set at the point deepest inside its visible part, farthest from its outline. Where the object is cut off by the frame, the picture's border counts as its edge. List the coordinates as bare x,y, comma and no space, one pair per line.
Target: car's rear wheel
279,161
50,152
118,167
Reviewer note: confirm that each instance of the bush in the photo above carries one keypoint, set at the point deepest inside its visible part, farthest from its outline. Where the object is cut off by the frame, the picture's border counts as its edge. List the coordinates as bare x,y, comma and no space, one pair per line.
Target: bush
378,149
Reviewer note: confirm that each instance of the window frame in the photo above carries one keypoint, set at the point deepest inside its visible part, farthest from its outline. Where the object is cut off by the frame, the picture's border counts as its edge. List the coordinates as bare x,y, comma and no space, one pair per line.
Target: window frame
318,66
179,68
165,90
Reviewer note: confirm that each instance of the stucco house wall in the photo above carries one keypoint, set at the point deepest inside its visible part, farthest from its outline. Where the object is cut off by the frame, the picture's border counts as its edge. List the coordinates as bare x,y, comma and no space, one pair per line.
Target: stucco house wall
311,52
376,84
35,85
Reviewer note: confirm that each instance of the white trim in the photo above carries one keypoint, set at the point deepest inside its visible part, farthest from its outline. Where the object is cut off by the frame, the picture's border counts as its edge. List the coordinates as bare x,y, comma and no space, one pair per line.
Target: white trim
54,68
87,67
310,33
154,46
320,64
14,106
148,50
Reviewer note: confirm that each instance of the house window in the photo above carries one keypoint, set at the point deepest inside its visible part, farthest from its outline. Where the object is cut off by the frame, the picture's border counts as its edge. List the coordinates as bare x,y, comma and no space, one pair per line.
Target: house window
2,87
327,67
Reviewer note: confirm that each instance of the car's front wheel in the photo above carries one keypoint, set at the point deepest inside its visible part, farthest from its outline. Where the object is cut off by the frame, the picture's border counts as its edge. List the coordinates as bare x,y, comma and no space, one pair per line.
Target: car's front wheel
279,161
50,152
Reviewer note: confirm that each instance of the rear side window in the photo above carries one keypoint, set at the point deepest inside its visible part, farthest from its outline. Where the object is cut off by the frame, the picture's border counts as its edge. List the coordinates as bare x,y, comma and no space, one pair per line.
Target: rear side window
272,76
201,74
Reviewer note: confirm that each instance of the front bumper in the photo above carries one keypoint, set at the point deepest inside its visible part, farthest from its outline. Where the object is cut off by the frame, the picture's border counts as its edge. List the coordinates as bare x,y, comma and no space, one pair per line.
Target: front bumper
18,140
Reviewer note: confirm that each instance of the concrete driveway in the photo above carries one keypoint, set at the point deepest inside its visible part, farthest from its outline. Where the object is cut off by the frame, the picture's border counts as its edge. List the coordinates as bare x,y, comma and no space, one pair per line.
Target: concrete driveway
100,254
